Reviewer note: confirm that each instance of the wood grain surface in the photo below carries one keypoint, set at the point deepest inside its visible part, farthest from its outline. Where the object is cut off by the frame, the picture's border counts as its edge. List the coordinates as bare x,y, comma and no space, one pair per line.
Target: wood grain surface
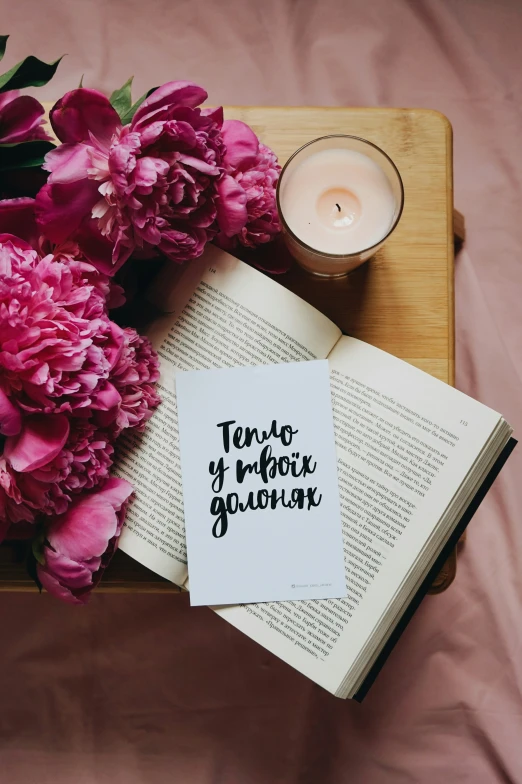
402,300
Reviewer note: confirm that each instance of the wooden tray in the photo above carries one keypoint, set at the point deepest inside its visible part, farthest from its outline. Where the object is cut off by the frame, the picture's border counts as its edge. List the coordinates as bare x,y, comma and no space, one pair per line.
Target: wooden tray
401,301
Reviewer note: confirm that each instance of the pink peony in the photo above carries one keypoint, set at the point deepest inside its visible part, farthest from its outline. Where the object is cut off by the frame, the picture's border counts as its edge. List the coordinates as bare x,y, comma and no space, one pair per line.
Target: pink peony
57,345
70,381
253,168
83,462
69,253
17,218
21,118
81,542
38,440
134,376
150,185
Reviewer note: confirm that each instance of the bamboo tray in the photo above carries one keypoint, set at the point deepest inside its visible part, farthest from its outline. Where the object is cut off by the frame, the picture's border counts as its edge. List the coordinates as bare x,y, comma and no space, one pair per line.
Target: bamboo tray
401,301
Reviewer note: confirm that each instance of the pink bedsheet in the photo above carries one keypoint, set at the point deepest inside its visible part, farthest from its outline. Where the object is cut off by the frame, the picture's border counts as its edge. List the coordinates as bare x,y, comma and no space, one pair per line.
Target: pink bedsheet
143,689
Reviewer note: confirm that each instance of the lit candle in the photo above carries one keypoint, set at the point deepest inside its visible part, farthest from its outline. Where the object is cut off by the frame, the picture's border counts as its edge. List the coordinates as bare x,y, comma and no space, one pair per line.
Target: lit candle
339,198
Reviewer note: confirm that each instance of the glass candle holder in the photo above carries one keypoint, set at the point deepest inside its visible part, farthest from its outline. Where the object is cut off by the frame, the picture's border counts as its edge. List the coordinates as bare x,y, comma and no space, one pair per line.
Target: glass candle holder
339,198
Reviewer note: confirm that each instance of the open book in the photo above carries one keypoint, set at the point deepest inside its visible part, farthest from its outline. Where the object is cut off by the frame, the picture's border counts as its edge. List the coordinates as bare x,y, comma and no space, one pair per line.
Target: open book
414,456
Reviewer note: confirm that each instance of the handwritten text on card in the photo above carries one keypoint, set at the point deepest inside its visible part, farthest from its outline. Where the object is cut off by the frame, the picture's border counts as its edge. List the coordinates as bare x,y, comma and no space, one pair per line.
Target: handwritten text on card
268,467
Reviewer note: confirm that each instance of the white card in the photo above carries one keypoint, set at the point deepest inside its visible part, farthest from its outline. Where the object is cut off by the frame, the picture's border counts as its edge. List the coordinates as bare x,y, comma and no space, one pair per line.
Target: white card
260,489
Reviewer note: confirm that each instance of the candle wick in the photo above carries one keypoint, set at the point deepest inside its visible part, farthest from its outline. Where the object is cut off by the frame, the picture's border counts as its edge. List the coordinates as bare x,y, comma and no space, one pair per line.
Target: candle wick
338,207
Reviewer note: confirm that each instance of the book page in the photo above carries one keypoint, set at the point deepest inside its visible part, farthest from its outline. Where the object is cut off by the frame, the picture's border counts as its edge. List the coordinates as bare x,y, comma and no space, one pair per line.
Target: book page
405,443
225,314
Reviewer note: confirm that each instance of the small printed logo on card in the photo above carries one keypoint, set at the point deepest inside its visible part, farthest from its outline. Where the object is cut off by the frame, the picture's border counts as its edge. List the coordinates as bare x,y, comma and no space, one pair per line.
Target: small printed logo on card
310,585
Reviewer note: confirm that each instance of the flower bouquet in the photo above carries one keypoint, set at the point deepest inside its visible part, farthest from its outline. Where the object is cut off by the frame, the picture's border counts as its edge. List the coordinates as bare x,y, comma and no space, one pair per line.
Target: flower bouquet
118,182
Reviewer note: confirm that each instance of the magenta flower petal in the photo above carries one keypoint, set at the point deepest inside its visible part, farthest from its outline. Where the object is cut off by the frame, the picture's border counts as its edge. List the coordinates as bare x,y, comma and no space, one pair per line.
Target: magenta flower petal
116,492
215,114
74,573
96,248
231,206
258,182
82,541
40,441
180,246
197,163
59,573
168,95
7,97
61,208
107,398
67,163
241,144
85,529
10,418
83,112
17,218
115,343
21,120
11,239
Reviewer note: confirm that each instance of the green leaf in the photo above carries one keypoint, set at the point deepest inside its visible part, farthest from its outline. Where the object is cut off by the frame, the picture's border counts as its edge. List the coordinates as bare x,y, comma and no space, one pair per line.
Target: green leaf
30,72
81,82
126,118
121,99
23,156
3,44
37,547
31,566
